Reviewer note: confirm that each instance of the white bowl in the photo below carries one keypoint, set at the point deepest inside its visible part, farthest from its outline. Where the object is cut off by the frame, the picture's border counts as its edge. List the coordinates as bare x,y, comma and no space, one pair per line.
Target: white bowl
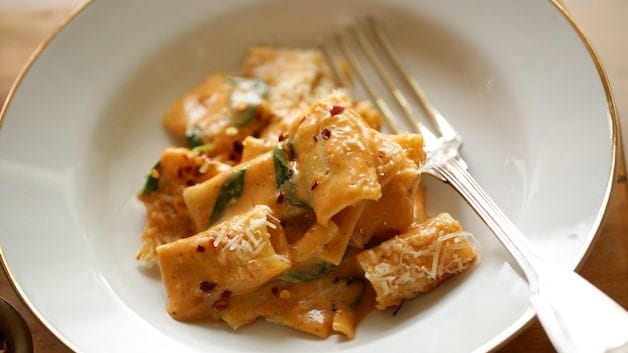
82,128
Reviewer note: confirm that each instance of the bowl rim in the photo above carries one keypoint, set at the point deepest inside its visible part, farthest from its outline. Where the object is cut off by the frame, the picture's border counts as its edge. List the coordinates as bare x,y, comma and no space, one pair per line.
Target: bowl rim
501,339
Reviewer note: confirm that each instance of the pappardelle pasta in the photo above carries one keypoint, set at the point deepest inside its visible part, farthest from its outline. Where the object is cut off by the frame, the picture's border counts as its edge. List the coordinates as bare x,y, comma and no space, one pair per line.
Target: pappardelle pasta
289,204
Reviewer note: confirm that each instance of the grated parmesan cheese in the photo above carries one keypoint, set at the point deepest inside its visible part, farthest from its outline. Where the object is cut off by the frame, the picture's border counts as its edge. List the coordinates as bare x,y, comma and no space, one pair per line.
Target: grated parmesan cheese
244,236
415,262
435,258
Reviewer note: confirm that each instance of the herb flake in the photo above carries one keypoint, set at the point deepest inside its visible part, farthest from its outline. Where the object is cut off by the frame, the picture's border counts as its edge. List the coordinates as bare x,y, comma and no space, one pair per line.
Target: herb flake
229,191
152,183
282,170
246,95
206,148
194,137
320,269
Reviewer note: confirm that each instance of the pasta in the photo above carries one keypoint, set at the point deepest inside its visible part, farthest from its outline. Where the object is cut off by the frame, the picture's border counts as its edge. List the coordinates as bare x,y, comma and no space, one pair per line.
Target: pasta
289,204
233,257
416,261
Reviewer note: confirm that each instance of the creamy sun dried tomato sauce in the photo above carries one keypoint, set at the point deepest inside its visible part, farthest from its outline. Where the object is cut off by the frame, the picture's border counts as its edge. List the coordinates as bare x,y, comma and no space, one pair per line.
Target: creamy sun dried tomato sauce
282,200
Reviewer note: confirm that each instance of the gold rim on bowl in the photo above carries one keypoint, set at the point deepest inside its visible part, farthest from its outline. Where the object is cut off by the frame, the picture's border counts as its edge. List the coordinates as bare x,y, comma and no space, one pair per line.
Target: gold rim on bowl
498,341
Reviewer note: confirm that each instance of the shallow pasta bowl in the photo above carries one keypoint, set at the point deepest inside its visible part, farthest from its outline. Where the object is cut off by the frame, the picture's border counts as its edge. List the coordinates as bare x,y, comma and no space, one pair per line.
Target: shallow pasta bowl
81,129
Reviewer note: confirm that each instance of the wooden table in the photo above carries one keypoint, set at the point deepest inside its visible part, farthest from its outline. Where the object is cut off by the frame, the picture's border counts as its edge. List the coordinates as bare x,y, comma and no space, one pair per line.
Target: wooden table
23,27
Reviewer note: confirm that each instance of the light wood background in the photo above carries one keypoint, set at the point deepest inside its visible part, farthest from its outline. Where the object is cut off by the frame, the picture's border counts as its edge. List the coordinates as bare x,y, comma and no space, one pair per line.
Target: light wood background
24,24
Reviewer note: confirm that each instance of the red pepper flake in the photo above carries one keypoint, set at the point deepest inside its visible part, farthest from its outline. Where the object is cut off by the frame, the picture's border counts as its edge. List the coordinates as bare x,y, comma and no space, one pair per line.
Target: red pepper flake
336,109
281,197
238,147
275,291
326,134
281,136
398,308
223,301
220,304
200,248
207,287
314,185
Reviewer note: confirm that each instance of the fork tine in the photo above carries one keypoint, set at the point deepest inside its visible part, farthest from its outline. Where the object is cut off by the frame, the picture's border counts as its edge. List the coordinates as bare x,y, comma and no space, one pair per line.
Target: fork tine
381,104
365,45
438,121
368,49
335,68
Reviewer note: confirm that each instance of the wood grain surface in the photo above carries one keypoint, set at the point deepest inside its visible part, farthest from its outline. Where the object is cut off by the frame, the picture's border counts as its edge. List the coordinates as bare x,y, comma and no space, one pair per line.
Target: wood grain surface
22,30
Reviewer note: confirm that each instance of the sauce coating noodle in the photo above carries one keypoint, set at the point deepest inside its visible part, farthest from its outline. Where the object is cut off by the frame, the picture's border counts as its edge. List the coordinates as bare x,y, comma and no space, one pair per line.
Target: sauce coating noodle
289,204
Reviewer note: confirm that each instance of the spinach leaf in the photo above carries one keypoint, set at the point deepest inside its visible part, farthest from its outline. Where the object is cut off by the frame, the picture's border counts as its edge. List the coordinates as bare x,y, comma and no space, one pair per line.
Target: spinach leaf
282,170
206,148
245,116
151,183
194,137
282,152
246,96
229,191
290,191
320,269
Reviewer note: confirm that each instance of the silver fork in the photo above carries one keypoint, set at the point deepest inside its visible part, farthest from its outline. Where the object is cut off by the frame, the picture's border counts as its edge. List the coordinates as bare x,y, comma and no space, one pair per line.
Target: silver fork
576,316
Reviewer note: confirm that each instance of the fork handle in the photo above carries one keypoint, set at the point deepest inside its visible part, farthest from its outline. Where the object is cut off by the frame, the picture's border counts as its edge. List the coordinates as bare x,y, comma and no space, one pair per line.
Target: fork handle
576,316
